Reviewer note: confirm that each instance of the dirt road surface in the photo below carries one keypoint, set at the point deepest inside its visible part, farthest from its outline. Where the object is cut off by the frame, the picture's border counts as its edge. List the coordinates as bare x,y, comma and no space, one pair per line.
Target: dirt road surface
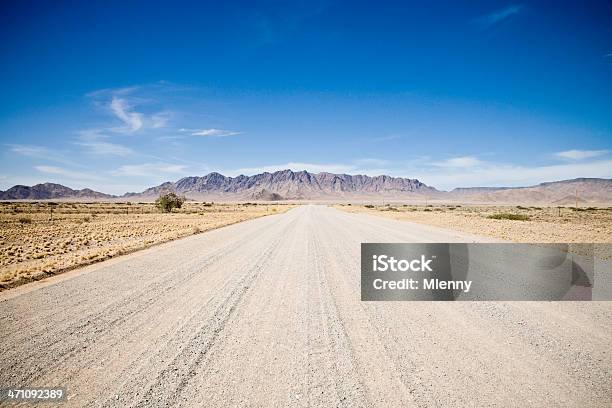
268,313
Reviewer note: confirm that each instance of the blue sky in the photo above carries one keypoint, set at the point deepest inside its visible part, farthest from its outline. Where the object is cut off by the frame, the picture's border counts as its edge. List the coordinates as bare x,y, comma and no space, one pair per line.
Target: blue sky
120,96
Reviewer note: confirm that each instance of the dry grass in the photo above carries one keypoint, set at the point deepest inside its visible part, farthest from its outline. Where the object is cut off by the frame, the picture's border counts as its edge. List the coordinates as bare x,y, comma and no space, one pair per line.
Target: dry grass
41,239
513,223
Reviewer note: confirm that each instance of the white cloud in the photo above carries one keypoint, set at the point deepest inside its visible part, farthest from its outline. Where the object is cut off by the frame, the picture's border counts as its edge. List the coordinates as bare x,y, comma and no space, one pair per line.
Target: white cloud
458,162
121,109
214,133
150,169
498,16
581,154
372,162
73,175
134,106
106,92
160,120
106,149
386,138
40,152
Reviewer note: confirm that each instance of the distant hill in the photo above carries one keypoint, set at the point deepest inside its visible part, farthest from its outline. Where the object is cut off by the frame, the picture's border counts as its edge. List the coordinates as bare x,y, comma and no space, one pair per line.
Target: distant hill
48,191
302,185
557,192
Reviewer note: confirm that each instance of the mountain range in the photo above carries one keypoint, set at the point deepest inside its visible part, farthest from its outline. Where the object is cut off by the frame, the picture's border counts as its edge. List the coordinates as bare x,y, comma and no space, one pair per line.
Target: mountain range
303,185
291,185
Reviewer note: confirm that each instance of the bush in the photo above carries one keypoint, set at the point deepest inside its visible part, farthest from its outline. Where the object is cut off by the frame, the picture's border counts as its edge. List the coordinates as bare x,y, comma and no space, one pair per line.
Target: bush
507,216
169,201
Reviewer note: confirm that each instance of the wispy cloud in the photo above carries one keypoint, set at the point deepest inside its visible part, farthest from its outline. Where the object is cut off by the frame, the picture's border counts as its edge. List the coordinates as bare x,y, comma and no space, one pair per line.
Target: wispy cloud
105,92
498,16
106,149
149,169
215,133
385,138
372,162
137,108
160,120
121,109
40,152
458,162
69,174
581,154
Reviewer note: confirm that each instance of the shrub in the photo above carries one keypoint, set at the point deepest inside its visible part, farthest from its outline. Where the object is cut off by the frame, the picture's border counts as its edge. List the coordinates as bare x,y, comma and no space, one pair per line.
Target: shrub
169,201
507,216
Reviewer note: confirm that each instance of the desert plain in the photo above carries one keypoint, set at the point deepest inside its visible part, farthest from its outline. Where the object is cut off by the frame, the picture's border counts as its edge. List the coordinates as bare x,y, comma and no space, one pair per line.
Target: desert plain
516,223
40,239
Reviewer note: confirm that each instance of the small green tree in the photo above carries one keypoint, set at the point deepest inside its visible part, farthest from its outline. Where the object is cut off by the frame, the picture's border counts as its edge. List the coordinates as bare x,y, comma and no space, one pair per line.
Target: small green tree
168,201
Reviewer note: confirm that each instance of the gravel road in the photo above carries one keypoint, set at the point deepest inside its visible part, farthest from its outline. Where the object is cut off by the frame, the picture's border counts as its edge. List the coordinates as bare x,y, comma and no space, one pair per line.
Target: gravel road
268,313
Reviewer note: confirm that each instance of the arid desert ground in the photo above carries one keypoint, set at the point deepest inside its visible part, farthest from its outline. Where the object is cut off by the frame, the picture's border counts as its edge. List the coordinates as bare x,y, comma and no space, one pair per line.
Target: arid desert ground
267,312
516,223
40,239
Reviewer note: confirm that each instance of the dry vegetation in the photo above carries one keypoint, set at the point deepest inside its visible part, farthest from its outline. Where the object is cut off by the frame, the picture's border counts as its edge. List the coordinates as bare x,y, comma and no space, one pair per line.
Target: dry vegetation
41,239
513,223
